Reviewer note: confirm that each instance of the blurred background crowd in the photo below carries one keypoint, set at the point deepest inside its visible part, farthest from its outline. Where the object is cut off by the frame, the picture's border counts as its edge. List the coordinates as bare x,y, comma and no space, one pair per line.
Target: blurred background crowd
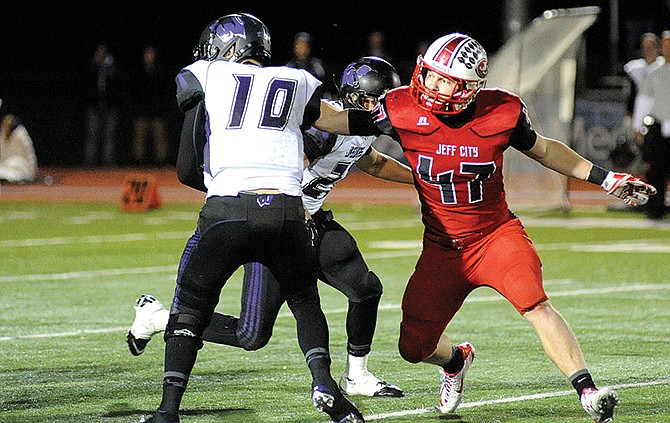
94,82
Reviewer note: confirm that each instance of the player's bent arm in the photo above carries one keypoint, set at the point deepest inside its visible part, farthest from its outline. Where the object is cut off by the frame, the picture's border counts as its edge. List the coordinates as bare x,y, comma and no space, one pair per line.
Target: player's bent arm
190,157
559,157
345,122
332,120
385,167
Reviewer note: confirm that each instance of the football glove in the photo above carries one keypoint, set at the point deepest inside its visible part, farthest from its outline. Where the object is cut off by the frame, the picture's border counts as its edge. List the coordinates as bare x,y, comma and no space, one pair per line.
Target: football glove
630,189
312,233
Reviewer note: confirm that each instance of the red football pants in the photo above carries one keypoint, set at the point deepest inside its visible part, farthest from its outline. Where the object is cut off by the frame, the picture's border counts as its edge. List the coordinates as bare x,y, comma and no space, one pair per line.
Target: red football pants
504,260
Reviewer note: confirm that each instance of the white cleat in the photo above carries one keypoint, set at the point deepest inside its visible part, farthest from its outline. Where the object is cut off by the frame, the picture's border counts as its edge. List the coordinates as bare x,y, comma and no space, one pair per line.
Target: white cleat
369,385
600,403
150,318
451,391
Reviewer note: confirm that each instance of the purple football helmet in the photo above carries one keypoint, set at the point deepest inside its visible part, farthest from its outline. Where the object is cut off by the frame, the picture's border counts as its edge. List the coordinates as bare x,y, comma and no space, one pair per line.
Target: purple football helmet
234,38
365,80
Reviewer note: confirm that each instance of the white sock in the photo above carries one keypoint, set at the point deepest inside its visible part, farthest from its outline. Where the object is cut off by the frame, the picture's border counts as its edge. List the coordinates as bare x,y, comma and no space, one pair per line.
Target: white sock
357,366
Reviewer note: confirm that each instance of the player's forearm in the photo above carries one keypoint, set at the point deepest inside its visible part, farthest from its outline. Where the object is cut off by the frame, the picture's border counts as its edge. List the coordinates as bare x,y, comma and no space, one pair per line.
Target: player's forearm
332,120
559,157
385,167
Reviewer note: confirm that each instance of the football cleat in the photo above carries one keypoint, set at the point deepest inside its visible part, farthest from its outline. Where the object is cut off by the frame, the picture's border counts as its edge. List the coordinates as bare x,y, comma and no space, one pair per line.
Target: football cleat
600,403
369,385
150,318
339,408
161,417
451,391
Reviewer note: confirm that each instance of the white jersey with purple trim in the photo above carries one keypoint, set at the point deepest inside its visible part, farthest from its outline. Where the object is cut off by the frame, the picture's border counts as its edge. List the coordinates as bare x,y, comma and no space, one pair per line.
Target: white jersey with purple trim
253,125
324,172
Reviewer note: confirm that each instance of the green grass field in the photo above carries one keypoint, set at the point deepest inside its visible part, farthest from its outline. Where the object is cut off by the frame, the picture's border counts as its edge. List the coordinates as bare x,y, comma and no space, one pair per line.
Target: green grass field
70,274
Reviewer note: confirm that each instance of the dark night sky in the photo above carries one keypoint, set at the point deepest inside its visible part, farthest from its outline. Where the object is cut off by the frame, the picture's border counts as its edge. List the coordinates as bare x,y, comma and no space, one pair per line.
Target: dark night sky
55,37
45,47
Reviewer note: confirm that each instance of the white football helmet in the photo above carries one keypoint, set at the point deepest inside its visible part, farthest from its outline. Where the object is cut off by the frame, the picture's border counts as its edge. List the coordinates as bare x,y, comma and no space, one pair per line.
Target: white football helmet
458,58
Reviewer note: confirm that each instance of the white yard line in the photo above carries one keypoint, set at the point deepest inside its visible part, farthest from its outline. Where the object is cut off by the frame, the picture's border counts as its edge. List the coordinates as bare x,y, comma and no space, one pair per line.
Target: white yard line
532,397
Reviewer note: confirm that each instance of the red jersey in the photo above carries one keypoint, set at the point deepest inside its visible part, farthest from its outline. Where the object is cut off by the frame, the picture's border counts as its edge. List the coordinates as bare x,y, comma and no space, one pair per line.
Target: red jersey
458,170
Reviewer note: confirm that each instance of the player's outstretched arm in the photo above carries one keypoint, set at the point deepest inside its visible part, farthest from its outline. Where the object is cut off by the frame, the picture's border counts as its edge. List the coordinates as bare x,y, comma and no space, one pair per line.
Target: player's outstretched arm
332,120
559,157
385,167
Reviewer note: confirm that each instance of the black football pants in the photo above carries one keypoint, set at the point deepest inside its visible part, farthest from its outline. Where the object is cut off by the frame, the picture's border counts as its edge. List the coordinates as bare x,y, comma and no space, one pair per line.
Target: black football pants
341,266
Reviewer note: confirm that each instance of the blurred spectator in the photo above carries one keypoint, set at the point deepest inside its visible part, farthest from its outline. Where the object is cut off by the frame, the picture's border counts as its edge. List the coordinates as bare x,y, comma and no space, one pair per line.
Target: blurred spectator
303,58
638,69
152,100
18,162
377,46
651,120
101,85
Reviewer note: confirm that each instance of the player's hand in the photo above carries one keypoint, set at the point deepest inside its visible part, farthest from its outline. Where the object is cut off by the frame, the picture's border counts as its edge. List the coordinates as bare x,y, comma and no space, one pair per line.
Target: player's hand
630,189
312,233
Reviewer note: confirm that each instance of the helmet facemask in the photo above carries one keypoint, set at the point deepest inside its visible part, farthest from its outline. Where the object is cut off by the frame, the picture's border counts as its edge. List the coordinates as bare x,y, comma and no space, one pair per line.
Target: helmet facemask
462,94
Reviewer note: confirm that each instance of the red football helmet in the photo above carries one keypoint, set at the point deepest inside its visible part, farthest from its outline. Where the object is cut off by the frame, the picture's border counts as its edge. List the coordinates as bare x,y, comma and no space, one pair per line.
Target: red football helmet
460,59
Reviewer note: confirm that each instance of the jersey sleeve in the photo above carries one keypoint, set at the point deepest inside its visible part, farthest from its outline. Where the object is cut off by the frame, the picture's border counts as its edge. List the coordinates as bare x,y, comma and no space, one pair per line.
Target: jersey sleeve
314,93
523,135
317,143
189,89
190,156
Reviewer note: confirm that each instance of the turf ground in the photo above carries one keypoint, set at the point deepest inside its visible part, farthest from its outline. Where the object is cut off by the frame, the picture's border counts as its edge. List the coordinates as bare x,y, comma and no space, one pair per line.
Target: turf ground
70,273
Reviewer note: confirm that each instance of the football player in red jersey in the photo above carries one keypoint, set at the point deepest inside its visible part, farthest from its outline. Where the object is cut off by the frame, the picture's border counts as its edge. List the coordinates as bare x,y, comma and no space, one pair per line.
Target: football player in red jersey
454,132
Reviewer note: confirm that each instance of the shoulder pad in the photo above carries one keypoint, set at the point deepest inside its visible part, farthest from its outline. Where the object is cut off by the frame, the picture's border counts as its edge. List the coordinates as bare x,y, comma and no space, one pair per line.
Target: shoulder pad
507,107
414,118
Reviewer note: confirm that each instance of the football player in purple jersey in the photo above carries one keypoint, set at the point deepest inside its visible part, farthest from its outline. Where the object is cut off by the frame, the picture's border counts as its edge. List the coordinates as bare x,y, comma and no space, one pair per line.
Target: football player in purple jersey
242,143
341,263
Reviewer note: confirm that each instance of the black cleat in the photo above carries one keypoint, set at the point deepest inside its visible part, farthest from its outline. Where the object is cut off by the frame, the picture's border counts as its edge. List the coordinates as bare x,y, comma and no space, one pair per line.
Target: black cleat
161,417
136,345
336,405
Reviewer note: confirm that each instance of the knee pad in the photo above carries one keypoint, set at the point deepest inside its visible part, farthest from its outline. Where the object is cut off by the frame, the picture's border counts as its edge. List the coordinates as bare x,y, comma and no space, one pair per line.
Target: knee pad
417,341
184,325
367,288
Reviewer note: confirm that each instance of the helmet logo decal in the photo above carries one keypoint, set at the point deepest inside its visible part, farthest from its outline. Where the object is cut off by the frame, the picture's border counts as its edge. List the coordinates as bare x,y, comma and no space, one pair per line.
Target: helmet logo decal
230,30
471,57
352,75
482,68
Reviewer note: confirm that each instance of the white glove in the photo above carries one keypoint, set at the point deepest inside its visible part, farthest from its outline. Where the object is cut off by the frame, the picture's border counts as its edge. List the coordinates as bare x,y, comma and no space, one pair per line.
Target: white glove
630,189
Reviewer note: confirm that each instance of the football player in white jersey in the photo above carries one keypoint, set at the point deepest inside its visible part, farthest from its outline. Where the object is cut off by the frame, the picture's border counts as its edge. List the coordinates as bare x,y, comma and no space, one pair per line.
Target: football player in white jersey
242,142
341,264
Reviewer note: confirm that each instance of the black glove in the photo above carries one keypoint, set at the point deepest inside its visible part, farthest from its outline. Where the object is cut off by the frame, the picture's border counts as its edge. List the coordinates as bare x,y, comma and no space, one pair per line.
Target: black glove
312,233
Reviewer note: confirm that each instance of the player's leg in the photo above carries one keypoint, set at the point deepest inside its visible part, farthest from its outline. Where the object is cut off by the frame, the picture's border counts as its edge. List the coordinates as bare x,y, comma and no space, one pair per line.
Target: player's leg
342,266
517,275
293,263
213,259
260,304
429,303
560,344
